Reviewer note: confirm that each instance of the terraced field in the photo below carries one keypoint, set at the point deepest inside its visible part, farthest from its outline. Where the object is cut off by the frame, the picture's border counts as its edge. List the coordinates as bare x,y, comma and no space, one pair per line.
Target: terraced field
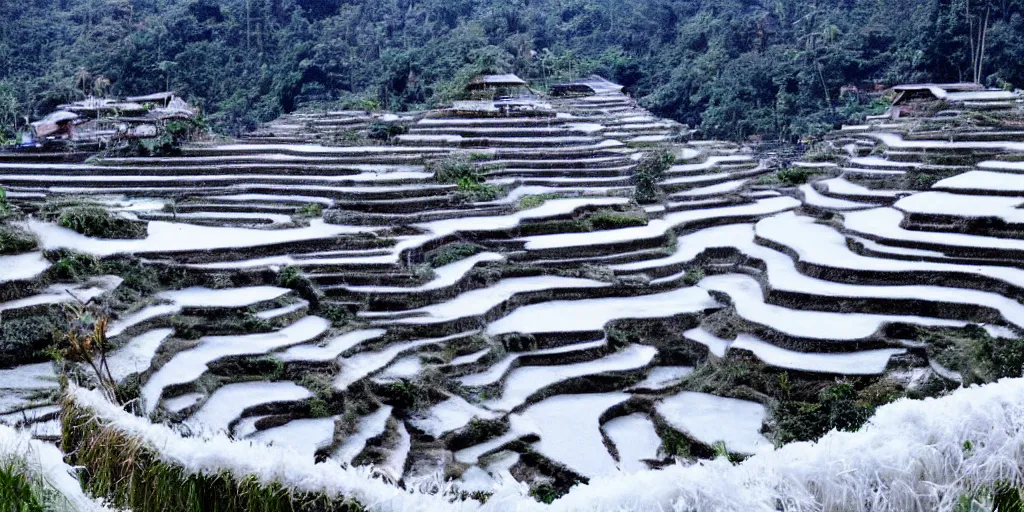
539,324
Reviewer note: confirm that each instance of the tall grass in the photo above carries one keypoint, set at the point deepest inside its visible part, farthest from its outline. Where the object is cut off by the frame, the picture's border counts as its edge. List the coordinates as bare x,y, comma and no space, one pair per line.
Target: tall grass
24,490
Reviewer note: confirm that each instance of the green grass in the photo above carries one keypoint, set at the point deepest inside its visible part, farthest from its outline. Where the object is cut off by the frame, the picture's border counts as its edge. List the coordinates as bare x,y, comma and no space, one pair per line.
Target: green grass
21,490
131,474
451,253
92,220
533,201
312,210
607,219
5,205
14,240
648,173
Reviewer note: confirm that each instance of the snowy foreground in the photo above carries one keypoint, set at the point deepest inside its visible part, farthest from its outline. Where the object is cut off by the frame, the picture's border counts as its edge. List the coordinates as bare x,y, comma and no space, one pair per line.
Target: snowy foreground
912,455
44,461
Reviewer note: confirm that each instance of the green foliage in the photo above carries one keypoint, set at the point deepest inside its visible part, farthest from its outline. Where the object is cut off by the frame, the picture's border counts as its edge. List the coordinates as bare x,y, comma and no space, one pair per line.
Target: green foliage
131,474
72,266
23,490
533,201
648,173
312,210
974,353
450,254
544,493
92,220
455,168
699,63
25,338
694,276
318,408
607,219
793,176
5,205
385,131
14,240
838,407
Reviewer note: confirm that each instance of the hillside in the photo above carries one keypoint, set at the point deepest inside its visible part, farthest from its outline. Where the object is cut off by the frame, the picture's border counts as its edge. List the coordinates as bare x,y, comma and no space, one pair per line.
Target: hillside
733,68
560,293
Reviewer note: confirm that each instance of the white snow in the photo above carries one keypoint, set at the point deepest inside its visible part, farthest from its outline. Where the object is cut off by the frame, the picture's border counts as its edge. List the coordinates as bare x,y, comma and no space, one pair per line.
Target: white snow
944,203
189,365
61,293
304,436
570,433
445,276
22,266
198,297
363,364
369,427
635,439
480,301
710,419
497,370
177,237
748,298
525,381
885,463
988,181
662,377
136,356
658,227
332,348
814,198
448,416
228,403
866,362
593,314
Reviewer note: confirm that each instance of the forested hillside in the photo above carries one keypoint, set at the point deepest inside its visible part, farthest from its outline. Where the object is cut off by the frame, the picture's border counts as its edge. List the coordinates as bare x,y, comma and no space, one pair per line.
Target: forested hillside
736,68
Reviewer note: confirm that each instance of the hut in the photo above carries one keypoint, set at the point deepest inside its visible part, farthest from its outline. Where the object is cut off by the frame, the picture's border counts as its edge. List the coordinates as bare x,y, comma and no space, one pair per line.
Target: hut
497,86
917,99
59,125
591,86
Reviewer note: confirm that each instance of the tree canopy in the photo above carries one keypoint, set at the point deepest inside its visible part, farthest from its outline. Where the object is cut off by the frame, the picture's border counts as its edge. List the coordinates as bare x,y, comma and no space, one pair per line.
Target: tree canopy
735,68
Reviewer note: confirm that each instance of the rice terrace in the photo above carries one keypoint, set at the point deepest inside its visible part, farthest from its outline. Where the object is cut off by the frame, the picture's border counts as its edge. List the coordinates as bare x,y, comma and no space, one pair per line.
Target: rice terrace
565,292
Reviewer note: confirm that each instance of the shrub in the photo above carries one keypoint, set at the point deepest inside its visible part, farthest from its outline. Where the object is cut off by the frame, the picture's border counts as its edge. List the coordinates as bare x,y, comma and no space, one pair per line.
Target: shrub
450,254
92,220
5,205
648,173
71,266
533,201
23,490
455,168
693,276
14,240
385,131
606,219
793,176
24,339
974,353
312,210
837,408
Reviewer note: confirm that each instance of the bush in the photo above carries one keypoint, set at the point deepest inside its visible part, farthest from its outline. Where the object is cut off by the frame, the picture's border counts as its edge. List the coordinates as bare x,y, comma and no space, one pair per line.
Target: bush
312,210
648,173
14,240
533,201
5,205
455,168
606,219
450,254
385,131
24,339
693,276
92,220
974,353
793,176
71,266
838,407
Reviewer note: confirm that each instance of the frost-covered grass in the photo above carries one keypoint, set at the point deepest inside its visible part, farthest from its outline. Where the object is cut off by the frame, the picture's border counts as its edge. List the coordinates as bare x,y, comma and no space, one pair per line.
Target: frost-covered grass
34,478
911,456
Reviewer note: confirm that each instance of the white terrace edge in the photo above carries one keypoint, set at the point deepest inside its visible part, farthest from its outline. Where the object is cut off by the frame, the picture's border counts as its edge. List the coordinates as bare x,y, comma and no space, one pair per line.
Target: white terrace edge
912,455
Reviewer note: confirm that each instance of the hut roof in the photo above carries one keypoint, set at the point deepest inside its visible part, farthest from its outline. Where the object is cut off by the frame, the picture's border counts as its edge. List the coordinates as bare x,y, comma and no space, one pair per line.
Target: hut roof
593,84
159,96
506,80
954,93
